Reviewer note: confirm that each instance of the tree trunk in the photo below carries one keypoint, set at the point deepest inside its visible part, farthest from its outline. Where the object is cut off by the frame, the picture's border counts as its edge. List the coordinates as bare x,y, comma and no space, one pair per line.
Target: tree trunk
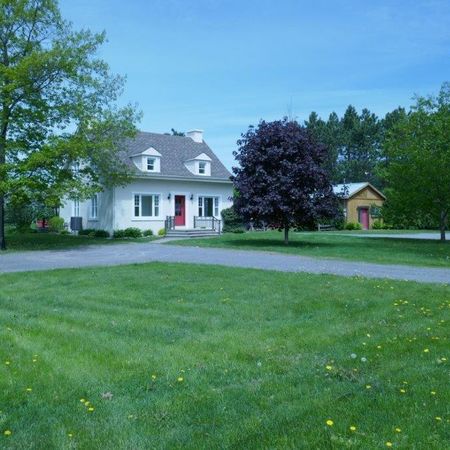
286,234
2,223
443,224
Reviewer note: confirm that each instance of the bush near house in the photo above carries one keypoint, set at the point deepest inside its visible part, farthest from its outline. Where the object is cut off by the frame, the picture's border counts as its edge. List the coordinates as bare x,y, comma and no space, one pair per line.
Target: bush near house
162,232
56,224
232,222
128,233
353,226
93,232
147,233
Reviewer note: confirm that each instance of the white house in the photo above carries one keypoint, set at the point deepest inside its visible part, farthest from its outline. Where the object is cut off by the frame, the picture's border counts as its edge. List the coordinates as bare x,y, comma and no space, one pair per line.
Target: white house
179,184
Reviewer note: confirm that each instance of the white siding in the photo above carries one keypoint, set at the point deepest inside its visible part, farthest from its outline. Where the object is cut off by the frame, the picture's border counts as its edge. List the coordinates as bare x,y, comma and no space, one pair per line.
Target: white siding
104,216
124,201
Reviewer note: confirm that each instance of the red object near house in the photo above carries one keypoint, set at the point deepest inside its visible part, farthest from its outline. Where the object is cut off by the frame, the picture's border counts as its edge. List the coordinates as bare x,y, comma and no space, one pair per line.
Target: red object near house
42,224
180,210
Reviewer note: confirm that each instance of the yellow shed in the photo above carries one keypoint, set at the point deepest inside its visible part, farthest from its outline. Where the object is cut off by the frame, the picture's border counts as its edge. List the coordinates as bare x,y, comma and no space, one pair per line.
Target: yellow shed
361,202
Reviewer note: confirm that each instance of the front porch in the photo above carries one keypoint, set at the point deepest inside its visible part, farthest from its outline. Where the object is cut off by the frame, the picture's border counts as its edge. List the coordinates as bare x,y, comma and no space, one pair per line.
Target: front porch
203,226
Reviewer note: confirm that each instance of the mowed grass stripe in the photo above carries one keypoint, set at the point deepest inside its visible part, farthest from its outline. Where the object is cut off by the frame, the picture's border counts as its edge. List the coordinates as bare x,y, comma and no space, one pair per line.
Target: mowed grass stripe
252,350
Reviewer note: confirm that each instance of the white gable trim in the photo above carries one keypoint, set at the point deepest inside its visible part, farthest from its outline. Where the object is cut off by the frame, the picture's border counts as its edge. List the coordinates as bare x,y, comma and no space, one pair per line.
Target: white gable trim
149,152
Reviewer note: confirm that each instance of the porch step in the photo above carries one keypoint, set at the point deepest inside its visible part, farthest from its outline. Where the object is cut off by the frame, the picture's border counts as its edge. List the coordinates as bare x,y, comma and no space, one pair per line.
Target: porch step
191,233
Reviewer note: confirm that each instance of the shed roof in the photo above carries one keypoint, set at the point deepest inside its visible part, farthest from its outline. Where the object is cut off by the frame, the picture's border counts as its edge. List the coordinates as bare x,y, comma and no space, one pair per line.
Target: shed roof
348,190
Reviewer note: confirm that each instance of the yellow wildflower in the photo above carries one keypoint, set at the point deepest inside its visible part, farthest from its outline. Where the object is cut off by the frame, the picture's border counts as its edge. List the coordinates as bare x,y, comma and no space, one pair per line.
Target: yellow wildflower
180,379
388,444
7,432
438,418
398,430
328,367
329,422
352,428
402,391
426,350
29,389
91,409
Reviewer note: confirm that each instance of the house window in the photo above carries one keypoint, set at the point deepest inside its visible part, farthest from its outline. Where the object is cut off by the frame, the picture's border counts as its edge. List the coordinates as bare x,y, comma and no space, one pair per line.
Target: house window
202,168
76,208
208,206
146,205
151,164
94,207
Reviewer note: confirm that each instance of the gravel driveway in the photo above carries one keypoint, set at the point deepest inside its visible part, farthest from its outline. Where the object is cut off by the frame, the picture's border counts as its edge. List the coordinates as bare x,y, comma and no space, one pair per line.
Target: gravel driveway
110,255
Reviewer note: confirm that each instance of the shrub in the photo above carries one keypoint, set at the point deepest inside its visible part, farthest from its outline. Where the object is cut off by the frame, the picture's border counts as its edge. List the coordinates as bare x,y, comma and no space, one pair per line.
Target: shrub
128,233
101,234
353,226
377,224
162,232
64,232
148,233
87,232
56,224
232,222
119,234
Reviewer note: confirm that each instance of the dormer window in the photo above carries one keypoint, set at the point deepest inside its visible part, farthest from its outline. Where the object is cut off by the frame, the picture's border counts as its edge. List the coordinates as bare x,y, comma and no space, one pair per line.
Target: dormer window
151,164
202,168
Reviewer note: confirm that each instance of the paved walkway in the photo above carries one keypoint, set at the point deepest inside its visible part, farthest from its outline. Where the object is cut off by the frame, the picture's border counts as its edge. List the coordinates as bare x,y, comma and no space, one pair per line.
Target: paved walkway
110,255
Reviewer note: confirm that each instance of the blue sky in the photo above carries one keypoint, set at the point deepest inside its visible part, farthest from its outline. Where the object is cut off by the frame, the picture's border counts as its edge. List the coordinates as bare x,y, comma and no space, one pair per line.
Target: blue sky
223,65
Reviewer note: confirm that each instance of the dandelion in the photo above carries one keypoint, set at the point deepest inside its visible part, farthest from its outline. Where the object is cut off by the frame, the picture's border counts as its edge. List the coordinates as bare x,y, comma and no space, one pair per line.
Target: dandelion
70,435
379,346
329,367
82,400
329,422
398,430
91,409
352,428
153,377
29,389
368,386
438,418
180,379
388,444
403,391
34,360
426,350
7,432
363,359
433,392
7,363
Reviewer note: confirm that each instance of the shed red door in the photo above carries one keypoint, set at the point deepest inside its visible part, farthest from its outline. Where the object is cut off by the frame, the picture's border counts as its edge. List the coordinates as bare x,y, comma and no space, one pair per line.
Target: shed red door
364,218
180,210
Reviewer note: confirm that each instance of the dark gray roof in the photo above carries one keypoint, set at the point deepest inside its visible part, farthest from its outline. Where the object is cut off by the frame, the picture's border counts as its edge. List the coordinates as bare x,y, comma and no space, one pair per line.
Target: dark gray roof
175,151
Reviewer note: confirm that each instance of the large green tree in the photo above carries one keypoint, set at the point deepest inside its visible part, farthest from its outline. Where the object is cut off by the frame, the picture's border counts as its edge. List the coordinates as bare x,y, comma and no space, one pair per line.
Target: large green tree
418,153
60,126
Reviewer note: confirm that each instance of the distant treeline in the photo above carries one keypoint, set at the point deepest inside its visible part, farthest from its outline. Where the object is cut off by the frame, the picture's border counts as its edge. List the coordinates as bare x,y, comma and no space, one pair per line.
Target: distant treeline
355,143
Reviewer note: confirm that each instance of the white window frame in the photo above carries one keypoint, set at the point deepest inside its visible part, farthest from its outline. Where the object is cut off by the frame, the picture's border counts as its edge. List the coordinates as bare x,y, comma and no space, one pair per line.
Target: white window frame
156,205
202,167
216,204
93,208
76,208
153,164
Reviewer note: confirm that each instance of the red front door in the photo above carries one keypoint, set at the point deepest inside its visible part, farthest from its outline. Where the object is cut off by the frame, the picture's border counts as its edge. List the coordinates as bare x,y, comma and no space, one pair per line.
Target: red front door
364,218
180,210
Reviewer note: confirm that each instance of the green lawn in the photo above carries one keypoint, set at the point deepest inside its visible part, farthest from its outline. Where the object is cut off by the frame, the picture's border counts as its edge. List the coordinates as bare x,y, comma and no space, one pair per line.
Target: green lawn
53,241
198,357
336,245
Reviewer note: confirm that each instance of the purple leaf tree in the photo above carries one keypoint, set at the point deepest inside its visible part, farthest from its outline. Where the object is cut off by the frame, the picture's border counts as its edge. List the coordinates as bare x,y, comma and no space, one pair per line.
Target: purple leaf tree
281,178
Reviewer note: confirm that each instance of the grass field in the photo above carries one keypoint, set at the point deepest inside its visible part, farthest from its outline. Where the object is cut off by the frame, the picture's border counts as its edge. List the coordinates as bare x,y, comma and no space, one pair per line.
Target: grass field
184,356
53,241
336,245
